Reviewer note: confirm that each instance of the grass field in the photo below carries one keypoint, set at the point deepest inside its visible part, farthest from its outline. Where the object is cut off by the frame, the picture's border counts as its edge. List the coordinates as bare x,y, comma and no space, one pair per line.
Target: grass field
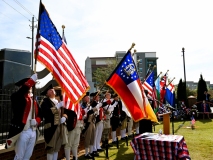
199,141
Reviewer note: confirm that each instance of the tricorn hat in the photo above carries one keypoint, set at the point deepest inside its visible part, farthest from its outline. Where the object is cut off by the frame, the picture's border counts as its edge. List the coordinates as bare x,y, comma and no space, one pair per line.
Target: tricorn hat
114,95
87,94
21,82
45,91
93,94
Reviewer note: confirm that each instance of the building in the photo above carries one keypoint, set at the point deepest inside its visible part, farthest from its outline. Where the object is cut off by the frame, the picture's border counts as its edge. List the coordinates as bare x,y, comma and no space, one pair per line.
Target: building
142,60
14,66
193,85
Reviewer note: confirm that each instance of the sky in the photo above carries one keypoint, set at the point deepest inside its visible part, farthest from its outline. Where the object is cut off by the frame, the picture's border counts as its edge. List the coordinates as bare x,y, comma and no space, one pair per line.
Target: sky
98,28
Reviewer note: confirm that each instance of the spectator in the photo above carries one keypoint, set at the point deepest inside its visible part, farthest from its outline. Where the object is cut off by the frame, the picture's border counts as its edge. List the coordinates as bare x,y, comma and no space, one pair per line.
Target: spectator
205,109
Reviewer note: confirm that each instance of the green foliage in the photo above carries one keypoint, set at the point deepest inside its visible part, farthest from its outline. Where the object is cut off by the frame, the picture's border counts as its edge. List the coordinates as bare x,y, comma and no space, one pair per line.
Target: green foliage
190,92
201,88
101,74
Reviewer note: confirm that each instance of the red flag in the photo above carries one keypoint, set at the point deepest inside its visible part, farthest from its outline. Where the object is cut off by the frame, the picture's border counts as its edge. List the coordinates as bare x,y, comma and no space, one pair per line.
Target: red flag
54,54
162,88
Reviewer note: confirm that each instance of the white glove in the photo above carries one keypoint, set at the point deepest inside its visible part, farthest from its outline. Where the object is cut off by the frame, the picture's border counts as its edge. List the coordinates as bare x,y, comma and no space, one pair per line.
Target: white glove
98,105
60,104
63,119
33,122
34,77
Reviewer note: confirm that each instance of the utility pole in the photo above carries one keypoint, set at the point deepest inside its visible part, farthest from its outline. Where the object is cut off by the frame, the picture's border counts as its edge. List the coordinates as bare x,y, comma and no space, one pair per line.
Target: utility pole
183,50
32,27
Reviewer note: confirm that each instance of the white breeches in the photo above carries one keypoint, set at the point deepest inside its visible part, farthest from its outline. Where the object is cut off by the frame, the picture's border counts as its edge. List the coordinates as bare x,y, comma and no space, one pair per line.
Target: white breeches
73,138
25,144
98,133
73,142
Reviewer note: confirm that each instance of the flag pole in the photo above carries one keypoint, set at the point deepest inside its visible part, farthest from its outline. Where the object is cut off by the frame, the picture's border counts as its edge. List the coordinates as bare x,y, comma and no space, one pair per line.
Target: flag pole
36,55
63,26
170,82
158,75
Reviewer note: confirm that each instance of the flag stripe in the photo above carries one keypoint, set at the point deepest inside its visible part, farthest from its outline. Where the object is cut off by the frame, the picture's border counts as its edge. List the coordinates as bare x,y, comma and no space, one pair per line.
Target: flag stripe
67,64
52,62
127,97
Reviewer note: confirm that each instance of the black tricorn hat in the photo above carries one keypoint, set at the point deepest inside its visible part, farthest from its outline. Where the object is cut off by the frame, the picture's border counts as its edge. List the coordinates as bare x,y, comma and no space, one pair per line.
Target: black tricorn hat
93,94
45,91
21,82
114,95
87,94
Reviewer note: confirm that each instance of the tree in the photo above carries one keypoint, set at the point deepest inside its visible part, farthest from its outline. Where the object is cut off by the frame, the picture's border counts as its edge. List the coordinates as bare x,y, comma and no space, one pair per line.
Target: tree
201,87
101,74
180,91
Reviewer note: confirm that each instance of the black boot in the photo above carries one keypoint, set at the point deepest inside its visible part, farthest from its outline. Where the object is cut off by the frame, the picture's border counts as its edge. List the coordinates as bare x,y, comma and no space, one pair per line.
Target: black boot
73,158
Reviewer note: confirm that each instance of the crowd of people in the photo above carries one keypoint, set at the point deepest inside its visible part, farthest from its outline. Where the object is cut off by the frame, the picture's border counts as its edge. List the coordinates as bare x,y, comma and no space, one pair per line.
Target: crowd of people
62,127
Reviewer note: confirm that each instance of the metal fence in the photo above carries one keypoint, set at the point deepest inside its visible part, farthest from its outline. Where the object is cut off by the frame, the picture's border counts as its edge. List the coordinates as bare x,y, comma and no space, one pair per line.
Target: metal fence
6,113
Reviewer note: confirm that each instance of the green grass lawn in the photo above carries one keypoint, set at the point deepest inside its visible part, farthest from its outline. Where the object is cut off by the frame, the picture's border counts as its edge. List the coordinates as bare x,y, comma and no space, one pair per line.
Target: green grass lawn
199,141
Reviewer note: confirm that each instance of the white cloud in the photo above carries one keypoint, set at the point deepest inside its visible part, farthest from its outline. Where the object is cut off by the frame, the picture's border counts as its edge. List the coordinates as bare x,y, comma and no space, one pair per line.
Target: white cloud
99,28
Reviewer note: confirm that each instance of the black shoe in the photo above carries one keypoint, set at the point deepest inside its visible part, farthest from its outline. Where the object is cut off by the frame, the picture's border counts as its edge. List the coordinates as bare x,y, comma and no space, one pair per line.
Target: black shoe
103,145
114,142
88,156
73,158
100,150
95,154
124,138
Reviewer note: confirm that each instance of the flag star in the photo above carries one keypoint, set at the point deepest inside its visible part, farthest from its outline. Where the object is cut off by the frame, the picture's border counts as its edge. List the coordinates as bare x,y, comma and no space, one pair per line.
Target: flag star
124,62
123,75
128,60
132,77
127,77
122,66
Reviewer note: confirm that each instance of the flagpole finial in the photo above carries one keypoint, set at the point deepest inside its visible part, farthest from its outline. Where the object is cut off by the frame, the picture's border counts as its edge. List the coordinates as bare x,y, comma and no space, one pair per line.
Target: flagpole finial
63,26
133,44
134,52
160,72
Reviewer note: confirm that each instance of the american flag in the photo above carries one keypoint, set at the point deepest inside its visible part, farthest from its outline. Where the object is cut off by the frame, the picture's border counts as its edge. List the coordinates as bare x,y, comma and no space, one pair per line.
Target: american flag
74,107
149,85
193,121
54,54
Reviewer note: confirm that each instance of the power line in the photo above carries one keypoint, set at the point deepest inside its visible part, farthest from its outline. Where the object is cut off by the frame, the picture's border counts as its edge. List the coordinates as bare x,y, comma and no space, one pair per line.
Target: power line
16,10
24,8
10,19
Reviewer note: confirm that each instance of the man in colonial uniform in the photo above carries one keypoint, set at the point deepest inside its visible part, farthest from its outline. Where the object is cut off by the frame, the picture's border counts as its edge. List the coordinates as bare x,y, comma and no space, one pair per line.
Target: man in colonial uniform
99,121
123,119
115,119
89,129
107,114
85,101
52,132
26,118
74,125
